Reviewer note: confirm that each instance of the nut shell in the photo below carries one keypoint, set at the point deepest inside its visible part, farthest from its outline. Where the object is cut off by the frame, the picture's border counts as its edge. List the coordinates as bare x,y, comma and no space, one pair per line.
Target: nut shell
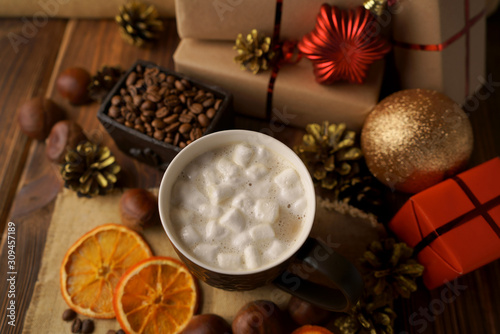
207,324
138,209
37,116
72,84
259,317
64,135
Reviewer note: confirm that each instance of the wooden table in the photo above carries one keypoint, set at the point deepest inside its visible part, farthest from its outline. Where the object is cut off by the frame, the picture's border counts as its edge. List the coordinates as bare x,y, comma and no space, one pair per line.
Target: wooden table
29,184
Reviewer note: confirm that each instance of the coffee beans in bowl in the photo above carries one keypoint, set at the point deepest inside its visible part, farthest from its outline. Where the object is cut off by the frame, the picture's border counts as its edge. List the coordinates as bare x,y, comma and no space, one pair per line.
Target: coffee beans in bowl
152,113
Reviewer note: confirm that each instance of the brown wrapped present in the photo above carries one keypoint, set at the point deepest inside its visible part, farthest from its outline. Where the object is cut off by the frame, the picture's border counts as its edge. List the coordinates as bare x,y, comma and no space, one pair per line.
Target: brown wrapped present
440,45
224,19
297,99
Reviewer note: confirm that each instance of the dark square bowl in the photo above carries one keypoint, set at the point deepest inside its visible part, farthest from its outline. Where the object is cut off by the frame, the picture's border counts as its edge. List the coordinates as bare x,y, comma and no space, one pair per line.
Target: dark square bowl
145,148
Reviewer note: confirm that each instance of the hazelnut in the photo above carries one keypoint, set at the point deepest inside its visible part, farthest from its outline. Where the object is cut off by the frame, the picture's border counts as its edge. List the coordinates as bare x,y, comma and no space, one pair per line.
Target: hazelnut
207,324
37,116
72,84
259,317
138,209
304,313
63,136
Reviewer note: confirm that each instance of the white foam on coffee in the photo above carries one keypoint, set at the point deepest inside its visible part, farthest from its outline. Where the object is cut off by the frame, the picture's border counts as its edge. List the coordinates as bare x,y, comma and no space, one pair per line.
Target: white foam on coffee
238,207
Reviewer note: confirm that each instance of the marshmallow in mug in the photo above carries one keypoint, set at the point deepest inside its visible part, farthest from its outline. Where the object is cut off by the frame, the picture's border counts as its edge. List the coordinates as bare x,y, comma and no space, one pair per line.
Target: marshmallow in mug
238,207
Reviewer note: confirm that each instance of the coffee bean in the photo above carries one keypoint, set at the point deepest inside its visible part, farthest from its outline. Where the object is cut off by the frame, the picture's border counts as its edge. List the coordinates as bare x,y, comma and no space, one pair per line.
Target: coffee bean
182,98
196,108
217,104
120,331
203,119
111,332
172,127
139,128
208,103
131,78
68,315
178,109
172,101
182,144
154,97
200,97
185,118
76,326
139,68
87,326
158,123
186,83
176,138
211,113
168,140
148,105
179,86
116,100
197,133
139,83
159,134
171,119
185,128
113,111
161,113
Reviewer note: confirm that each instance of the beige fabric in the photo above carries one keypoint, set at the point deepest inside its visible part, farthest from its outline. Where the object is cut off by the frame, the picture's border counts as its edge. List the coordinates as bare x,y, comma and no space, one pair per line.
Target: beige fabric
74,216
73,8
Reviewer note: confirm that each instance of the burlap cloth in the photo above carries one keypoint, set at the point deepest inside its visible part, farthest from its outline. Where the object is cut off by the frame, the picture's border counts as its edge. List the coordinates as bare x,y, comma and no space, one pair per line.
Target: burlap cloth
74,216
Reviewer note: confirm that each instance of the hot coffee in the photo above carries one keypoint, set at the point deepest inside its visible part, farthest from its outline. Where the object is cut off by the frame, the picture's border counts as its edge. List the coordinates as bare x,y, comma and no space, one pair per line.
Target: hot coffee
238,207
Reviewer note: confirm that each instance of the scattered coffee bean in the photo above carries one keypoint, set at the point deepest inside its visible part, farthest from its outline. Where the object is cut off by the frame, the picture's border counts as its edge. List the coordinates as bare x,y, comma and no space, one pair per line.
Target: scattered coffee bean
87,326
111,332
164,107
68,315
120,331
76,326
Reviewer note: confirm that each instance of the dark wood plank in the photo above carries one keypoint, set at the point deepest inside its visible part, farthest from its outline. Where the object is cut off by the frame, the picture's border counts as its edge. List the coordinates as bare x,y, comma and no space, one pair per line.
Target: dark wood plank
25,72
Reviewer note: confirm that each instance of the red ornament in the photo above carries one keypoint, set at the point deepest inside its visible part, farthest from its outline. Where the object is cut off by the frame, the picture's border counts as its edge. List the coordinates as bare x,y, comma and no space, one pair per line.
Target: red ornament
343,44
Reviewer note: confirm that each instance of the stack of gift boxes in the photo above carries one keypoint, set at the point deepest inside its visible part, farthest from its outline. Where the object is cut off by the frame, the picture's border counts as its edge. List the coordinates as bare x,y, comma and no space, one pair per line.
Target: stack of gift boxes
439,45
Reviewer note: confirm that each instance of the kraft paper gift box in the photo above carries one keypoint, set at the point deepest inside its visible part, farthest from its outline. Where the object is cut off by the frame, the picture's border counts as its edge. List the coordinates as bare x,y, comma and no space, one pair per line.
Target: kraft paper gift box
454,226
440,45
224,19
297,99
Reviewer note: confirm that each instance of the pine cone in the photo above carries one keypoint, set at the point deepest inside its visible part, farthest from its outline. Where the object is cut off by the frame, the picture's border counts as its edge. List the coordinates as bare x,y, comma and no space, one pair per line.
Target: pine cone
374,317
335,161
139,22
90,170
375,6
390,269
103,81
254,53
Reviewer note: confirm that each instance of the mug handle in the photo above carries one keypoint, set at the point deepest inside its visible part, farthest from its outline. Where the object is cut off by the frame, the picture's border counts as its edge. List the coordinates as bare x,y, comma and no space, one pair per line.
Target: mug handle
342,273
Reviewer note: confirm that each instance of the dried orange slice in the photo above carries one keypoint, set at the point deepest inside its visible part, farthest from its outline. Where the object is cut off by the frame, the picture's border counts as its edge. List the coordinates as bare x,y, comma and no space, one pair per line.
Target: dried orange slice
309,329
95,263
156,296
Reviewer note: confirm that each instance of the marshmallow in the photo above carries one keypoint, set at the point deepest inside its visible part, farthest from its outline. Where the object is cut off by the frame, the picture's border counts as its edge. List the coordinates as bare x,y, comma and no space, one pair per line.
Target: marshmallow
262,154
275,250
206,252
181,216
242,154
243,202
219,193
261,232
233,220
256,171
188,196
290,195
229,260
210,211
214,231
241,240
287,179
227,168
266,211
189,235
299,206
251,256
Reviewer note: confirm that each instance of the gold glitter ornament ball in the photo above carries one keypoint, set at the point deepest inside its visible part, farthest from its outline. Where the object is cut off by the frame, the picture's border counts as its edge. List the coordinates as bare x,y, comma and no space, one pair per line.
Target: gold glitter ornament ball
415,138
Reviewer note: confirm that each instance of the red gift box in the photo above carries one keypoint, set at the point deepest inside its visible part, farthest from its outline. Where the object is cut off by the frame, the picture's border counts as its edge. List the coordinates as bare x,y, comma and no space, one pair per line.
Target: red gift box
454,226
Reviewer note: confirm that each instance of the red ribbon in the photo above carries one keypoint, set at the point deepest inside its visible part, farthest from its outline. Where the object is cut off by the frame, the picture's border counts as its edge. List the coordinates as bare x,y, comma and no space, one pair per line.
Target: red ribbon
479,210
469,22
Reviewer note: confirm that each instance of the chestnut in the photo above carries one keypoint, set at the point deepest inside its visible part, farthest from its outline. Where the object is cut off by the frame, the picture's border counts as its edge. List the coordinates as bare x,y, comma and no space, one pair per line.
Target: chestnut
72,84
259,317
138,209
207,324
63,136
305,313
37,116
